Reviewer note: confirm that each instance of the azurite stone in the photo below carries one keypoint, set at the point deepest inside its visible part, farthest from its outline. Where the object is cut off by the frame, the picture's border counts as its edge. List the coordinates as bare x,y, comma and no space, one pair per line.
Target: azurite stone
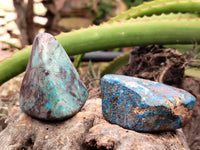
144,105
51,88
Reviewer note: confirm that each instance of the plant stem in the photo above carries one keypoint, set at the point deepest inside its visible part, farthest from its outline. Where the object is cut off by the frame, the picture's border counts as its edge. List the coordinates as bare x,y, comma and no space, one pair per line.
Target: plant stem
115,65
157,7
128,33
107,36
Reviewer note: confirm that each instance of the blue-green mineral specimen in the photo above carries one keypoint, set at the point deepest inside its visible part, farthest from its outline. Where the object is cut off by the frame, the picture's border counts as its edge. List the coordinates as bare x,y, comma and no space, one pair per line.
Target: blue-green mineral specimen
144,105
51,88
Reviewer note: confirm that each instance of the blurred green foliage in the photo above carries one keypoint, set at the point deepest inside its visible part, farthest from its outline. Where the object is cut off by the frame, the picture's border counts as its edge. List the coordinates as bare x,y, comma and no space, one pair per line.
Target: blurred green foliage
130,3
104,8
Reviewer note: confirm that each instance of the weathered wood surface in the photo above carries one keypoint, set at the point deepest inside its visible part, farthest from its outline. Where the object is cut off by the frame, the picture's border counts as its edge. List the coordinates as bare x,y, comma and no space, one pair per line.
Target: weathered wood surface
86,130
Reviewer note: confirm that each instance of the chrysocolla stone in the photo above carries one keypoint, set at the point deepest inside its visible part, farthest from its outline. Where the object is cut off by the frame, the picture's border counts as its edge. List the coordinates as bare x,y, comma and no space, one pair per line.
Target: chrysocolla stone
144,105
51,88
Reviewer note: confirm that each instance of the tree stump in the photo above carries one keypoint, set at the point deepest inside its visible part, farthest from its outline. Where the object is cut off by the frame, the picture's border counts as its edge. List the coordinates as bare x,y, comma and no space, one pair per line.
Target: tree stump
86,130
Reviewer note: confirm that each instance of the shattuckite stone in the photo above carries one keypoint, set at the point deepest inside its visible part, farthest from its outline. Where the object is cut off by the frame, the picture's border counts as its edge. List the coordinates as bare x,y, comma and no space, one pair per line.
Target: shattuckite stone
51,88
144,105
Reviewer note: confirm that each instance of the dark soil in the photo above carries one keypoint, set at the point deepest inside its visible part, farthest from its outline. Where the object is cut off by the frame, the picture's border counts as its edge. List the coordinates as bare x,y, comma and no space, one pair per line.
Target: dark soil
167,66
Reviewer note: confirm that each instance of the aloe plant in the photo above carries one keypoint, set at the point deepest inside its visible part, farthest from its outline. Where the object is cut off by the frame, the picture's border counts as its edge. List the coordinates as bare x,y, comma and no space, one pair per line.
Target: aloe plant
123,31
158,7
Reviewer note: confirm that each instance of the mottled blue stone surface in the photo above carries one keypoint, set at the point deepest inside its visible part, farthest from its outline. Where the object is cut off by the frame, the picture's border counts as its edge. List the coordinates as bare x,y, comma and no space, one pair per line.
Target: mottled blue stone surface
51,88
144,105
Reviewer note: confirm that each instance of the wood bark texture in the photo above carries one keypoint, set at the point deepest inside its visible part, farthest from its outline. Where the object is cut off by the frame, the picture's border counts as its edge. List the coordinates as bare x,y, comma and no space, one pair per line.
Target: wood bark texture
24,20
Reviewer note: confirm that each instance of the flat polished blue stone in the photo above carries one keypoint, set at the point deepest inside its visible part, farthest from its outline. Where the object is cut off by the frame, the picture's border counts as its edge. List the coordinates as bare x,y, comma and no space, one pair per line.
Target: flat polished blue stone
51,88
144,105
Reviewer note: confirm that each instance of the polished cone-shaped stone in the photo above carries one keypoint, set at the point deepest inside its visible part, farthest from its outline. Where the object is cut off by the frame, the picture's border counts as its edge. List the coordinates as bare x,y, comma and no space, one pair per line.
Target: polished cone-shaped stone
51,88
144,105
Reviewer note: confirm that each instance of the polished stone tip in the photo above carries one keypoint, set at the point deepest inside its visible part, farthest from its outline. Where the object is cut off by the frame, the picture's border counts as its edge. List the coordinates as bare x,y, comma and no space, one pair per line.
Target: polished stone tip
51,88
144,105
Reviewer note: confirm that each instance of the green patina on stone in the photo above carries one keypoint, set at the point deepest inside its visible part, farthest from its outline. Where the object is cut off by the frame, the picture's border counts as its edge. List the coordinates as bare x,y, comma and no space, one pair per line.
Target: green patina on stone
51,88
